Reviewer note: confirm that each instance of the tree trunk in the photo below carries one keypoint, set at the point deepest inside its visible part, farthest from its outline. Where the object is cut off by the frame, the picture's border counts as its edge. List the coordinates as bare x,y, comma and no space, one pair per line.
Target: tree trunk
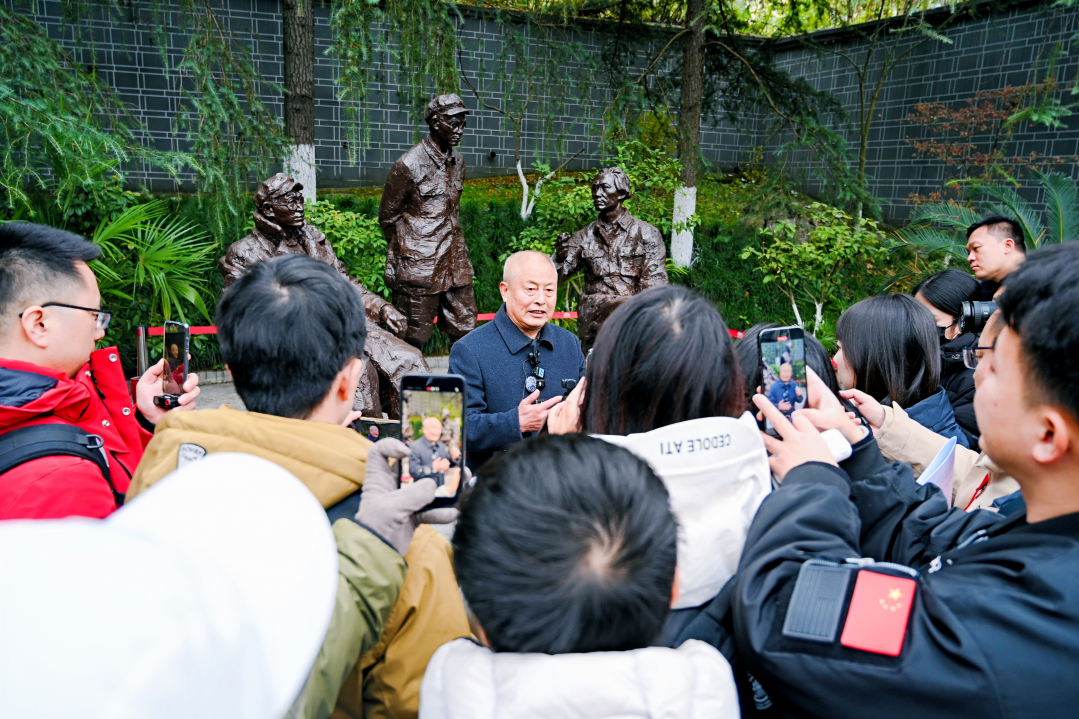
299,28
689,135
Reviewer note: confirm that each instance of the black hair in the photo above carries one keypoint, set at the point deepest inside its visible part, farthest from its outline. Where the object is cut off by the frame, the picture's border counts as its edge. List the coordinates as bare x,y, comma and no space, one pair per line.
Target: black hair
1002,227
1040,303
748,354
948,290
567,545
35,259
891,344
287,327
664,356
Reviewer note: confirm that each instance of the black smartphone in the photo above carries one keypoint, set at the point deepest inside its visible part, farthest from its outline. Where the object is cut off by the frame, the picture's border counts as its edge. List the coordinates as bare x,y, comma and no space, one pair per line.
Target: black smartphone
433,426
376,429
174,373
782,353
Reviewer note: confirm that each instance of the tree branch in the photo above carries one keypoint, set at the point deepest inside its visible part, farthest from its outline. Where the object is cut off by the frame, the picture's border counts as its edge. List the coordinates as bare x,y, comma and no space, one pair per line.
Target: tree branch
760,83
473,89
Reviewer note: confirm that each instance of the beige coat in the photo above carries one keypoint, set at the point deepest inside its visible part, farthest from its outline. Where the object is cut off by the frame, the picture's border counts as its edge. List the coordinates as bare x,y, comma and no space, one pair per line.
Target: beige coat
329,459
903,440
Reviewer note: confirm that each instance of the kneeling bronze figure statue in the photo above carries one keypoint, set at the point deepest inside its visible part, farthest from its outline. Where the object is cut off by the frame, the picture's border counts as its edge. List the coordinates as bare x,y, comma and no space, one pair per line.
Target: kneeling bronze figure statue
620,255
281,229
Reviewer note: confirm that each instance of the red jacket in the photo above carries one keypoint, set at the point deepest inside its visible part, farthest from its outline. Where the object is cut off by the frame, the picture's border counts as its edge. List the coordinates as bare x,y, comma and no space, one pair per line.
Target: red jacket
96,401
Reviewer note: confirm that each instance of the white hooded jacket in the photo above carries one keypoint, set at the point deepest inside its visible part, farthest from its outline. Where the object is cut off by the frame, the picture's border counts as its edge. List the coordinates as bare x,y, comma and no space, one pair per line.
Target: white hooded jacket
467,681
716,471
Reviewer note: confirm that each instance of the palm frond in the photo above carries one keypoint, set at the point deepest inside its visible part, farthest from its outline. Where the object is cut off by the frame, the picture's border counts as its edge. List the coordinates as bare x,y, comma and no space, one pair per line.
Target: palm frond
933,240
949,214
108,231
1010,203
1062,207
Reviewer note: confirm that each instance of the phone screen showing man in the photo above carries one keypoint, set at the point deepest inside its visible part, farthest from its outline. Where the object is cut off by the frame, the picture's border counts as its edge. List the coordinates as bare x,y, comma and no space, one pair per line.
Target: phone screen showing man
783,369
432,422
174,373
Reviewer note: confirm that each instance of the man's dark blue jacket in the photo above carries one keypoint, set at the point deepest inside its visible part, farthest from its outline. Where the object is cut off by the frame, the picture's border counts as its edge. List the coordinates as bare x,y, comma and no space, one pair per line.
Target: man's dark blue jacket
493,359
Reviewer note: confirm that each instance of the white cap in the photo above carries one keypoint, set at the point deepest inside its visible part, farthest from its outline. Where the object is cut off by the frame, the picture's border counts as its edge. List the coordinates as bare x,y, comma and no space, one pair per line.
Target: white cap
208,596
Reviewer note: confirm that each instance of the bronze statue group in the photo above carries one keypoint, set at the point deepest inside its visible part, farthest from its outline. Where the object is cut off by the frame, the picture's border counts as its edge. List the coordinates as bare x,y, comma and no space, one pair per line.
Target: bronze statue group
427,263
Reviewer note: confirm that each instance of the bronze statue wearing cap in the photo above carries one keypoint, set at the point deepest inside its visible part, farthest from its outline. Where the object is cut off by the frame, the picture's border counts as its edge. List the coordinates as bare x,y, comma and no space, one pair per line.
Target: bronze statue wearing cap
427,263
281,229
620,255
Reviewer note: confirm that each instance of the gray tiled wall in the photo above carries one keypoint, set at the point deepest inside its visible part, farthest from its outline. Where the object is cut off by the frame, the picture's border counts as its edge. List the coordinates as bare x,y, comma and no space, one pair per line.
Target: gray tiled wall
986,54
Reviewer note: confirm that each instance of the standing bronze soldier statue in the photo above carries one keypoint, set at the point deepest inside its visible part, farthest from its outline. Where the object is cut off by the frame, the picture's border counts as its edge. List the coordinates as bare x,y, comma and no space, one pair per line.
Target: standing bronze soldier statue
281,229
427,263
620,255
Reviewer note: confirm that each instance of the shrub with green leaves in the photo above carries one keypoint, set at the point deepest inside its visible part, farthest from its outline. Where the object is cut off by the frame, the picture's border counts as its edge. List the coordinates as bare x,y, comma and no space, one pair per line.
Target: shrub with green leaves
820,268
358,241
565,201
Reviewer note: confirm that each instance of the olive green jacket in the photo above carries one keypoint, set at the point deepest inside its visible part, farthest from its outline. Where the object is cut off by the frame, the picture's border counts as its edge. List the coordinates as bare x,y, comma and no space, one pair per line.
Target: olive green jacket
331,461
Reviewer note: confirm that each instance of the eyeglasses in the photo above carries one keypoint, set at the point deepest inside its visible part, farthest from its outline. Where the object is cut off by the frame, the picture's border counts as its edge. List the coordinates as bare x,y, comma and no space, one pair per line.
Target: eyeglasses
103,317
971,356
292,199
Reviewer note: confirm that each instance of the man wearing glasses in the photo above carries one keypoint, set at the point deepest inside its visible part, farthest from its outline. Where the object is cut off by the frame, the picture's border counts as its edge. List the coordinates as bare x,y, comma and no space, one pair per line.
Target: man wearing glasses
50,321
281,228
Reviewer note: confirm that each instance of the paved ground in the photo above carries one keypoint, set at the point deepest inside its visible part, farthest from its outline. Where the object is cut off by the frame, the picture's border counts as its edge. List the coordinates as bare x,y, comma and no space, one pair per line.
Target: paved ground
215,395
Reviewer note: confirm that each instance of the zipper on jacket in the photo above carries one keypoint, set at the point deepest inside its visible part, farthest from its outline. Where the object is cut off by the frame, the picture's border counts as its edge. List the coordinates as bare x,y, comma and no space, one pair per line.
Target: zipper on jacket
865,563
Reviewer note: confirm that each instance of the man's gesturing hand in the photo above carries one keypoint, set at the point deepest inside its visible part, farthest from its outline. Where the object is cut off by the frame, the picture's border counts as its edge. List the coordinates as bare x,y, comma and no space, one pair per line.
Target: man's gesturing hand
532,416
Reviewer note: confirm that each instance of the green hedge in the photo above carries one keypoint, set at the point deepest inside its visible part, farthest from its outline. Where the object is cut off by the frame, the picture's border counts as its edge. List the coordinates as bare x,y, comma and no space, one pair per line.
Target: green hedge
492,227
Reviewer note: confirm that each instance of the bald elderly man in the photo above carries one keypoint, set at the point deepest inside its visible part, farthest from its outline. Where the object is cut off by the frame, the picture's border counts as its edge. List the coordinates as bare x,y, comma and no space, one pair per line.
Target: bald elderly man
432,459
515,364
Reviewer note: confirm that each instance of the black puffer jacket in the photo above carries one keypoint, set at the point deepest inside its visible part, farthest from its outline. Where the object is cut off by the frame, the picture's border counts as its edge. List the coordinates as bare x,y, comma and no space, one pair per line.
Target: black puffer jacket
993,626
958,381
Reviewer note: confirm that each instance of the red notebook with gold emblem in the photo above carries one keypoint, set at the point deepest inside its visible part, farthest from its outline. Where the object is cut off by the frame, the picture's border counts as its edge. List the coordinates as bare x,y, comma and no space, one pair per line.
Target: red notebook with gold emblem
878,614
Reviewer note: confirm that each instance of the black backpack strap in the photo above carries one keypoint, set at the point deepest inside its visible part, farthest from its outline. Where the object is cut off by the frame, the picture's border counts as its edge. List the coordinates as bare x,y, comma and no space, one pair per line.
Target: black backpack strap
50,440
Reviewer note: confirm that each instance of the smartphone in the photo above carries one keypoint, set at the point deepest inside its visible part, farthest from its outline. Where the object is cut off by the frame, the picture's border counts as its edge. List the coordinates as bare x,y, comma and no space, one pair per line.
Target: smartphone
174,373
376,429
782,353
433,426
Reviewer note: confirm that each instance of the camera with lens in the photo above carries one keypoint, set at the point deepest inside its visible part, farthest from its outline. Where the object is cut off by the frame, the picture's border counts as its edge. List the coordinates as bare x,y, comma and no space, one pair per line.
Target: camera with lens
568,386
975,315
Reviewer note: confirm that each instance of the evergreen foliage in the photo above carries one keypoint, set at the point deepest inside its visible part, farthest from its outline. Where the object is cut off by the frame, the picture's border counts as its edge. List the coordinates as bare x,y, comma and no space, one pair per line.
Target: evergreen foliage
64,135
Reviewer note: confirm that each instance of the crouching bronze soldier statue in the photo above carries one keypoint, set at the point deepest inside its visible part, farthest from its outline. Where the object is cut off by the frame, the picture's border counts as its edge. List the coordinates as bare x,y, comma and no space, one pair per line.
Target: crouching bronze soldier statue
281,229
620,255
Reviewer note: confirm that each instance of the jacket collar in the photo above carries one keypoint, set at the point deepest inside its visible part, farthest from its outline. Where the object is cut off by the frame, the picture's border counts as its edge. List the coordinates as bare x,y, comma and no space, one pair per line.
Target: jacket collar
934,408
435,152
608,230
515,339
23,382
1066,525
964,340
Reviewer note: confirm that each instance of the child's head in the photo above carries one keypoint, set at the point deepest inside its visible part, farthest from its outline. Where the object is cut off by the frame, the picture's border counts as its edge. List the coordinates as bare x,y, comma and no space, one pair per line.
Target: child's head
567,545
